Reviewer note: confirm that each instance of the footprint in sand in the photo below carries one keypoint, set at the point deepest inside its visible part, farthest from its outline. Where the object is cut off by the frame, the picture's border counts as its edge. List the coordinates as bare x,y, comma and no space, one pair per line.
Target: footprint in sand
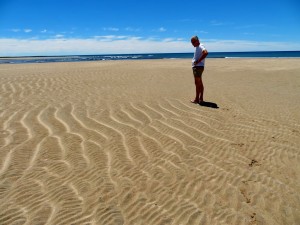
254,163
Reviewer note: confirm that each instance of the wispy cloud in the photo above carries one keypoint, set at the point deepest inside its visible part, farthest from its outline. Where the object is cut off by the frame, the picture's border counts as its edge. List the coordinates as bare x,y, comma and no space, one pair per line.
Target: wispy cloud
246,45
128,44
250,26
168,39
161,29
59,36
220,23
186,20
201,32
44,31
216,23
112,37
100,45
20,30
173,40
15,30
132,29
249,33
110,29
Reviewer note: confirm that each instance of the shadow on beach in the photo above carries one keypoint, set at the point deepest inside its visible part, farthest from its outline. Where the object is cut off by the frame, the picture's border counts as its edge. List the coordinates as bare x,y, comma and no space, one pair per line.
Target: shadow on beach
209,104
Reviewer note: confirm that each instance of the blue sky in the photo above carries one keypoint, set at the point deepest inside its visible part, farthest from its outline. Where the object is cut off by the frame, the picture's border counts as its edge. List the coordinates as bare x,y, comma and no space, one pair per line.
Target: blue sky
58,27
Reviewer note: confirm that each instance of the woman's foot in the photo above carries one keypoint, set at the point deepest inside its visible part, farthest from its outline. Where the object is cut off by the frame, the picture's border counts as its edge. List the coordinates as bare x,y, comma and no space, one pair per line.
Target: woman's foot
195,101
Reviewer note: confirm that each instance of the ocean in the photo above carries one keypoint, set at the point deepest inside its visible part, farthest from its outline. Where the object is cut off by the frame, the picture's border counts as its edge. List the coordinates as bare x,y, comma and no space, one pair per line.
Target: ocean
78,58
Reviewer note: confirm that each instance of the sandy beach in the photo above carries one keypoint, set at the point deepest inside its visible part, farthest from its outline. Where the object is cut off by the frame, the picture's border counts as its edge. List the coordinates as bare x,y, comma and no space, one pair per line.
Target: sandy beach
118,142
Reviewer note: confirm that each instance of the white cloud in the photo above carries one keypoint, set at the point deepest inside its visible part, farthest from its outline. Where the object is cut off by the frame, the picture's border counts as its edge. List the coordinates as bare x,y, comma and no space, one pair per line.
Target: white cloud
248,33
186,20
216,23
168,39
19,30
250,26
219,23
111,29
44,31
17,47
59,36
132,29
162,29
111,37
135,38
245,45
15,30
127,44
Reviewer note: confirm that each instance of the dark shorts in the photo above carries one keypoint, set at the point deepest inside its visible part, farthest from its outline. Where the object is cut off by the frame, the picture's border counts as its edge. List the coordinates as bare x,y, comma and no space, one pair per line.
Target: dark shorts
198,70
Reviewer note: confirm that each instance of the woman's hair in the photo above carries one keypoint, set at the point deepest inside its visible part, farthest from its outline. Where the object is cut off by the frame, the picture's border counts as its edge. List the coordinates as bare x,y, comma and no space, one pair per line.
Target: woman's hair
195,38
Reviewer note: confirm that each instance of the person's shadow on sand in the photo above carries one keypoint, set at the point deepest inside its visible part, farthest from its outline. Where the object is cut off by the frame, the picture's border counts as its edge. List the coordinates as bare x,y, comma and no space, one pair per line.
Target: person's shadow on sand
209,104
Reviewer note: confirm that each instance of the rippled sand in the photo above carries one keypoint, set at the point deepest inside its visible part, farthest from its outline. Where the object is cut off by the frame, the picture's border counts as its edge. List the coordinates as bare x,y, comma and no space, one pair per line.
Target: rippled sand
118,142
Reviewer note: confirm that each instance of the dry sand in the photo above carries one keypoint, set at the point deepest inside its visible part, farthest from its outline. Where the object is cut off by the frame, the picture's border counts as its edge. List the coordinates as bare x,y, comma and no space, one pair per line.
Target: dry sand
118,142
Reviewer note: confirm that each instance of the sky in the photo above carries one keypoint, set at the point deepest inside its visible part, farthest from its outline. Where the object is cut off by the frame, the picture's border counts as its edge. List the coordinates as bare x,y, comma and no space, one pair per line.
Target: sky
65,27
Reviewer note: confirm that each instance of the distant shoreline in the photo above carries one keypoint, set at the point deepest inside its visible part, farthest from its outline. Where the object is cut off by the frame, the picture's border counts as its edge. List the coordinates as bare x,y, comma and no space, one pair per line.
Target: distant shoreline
76,58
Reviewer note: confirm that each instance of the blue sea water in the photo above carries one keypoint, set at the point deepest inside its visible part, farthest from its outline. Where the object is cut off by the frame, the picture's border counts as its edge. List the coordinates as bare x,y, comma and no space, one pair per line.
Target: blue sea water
78,58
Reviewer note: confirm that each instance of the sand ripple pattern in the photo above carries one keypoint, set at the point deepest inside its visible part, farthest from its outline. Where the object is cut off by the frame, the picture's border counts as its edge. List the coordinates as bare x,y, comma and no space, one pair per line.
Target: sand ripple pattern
81,147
